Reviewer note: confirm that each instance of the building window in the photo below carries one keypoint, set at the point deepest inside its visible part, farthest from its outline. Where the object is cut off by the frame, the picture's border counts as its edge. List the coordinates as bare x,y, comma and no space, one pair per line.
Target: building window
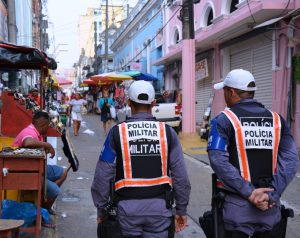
208,15
233,5
176,37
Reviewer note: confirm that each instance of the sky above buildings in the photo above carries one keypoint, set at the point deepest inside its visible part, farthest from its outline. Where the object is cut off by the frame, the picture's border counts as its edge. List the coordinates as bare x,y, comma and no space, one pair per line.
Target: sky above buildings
63,17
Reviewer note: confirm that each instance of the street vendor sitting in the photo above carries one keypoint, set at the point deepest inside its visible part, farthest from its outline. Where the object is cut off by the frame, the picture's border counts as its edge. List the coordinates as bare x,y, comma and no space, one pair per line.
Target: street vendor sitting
32,137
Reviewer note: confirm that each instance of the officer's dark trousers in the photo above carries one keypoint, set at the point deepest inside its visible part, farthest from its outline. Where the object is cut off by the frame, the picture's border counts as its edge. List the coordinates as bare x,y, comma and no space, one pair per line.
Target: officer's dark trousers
276,232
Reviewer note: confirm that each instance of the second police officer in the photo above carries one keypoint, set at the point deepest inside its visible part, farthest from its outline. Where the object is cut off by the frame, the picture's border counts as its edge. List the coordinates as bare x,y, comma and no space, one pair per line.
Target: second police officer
253,153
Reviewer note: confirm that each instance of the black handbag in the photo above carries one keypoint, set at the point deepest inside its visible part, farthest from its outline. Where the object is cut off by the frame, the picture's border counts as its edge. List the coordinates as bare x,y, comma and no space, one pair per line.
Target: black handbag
69,151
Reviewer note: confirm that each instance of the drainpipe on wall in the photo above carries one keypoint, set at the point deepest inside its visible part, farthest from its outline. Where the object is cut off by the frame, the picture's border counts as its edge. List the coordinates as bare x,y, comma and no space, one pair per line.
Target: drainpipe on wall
148,50
12,38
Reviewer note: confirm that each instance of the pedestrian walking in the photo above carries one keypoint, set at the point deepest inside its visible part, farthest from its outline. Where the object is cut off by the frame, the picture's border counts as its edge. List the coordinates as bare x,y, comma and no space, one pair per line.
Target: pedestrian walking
90,101
253,153
104,105
77,104
145,159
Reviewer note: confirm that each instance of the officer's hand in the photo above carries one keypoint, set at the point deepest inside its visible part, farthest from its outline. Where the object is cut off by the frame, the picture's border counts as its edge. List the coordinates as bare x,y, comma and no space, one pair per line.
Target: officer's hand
100,220
262,202
259,196
180,222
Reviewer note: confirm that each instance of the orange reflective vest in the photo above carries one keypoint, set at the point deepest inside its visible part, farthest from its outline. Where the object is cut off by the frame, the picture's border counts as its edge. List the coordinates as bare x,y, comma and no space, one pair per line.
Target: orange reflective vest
142,161
256,137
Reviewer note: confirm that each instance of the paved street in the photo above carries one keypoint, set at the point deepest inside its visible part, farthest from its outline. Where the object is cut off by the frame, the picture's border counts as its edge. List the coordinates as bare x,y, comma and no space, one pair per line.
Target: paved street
76,212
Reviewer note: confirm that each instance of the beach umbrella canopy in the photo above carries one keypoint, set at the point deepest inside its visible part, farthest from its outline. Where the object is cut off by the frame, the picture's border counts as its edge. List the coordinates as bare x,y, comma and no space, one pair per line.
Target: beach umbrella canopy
137,75
88,82
110,77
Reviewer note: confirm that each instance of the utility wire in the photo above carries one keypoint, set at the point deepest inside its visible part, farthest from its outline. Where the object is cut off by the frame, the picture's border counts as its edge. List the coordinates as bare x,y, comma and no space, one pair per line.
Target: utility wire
151,40
286,7
255,23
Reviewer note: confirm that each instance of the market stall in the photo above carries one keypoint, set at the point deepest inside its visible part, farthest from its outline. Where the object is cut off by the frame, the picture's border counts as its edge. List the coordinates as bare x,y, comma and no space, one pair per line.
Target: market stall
16,114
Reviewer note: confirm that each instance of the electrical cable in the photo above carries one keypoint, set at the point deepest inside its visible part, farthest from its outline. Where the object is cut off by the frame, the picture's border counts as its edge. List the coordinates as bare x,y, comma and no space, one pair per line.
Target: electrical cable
151,40
255,23
286,7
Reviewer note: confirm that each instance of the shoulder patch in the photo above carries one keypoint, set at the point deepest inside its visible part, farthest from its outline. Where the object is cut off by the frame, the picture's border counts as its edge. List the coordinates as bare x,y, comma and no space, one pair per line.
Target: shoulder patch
107,154
215,140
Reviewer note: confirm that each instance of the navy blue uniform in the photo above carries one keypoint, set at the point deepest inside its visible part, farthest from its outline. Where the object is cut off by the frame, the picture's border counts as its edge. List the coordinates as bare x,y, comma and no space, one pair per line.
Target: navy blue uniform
238,213
147,217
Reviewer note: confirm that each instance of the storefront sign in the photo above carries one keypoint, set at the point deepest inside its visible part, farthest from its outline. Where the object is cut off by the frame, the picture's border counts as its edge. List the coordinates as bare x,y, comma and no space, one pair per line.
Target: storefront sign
201,70
135,66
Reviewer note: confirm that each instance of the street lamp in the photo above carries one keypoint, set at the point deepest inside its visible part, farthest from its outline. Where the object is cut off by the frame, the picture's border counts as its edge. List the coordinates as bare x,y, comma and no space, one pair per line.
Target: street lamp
55,56
57,46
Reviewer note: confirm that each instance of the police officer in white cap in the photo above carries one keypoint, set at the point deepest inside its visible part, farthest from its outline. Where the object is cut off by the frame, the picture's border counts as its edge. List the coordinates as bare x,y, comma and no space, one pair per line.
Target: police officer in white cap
253,153
145,159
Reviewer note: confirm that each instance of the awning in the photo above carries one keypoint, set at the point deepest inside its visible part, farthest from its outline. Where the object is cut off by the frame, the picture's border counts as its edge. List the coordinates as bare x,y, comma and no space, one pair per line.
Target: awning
23,57
60,81
291,14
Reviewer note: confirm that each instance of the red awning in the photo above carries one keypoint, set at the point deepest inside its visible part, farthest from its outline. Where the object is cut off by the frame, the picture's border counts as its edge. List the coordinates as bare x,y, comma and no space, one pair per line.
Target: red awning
63,81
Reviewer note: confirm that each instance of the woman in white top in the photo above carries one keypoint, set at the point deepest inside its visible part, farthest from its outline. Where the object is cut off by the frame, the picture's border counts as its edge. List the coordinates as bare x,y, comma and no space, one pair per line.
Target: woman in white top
76,104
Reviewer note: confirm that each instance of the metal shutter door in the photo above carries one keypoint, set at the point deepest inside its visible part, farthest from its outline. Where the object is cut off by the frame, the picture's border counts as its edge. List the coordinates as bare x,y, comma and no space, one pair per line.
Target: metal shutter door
262,71
257,60
203,92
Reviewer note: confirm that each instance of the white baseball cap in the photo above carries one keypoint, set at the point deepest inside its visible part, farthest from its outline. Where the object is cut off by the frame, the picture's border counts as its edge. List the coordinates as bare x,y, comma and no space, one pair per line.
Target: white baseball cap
237,78
141,92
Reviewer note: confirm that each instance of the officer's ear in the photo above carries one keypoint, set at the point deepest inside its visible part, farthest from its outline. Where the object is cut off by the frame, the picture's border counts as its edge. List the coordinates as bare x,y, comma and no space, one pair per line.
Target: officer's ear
154,103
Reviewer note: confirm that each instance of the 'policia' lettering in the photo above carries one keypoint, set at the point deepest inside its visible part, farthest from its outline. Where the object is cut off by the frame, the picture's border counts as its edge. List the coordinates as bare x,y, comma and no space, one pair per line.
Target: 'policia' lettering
144,139
258,133
143,130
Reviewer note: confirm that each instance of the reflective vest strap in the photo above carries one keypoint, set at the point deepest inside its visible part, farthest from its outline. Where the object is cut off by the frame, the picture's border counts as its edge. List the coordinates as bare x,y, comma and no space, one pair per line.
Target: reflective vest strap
243,160
125,152
142,182
277,130
163,151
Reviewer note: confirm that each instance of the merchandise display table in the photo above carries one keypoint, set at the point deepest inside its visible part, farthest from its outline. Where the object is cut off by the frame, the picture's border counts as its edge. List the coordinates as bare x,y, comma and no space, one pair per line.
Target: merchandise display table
24,170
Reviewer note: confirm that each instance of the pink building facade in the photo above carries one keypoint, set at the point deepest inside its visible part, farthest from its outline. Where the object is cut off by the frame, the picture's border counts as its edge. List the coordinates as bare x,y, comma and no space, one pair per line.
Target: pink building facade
261,36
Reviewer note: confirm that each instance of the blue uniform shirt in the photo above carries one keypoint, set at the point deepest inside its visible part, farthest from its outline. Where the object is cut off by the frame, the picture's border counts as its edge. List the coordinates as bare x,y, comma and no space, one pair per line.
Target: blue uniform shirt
286,169
106,168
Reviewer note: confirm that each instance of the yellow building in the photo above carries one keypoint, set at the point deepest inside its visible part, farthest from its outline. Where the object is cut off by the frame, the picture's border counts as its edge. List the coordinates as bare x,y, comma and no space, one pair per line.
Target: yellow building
92,24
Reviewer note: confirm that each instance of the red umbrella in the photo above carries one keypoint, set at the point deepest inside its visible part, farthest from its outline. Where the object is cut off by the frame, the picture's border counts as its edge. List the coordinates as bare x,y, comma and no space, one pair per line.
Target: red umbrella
89,82
63,81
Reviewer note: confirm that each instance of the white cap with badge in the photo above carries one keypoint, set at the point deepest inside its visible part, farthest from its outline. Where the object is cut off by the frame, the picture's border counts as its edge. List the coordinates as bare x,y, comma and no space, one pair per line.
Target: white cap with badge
238,79
141,92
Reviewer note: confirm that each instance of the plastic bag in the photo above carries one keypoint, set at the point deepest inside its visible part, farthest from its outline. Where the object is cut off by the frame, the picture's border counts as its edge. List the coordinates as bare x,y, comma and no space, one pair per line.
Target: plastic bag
83,110
121,115
112,111
23,211
128,111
